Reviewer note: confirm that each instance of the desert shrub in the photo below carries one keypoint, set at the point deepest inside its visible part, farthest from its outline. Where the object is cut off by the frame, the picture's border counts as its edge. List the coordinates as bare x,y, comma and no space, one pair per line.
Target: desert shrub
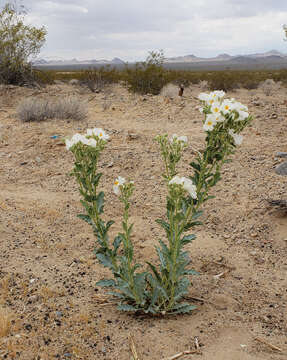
169,91
203,84
97,79
269,86
45,77
18,43
32,109
157,288
222,81
249,84
147,77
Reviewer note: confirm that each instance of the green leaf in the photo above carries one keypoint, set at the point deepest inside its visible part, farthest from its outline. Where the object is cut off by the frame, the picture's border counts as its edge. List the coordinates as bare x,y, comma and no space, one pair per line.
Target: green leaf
154,270
97,179
117,242
164,225
183,308
106,283
127,307
188,239
100,202
108,225
191,272
86,218
196,215
87,207
195,165
105,261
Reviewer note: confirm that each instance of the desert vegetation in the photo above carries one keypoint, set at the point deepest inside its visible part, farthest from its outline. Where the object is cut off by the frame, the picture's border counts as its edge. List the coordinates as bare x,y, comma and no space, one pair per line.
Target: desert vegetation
191,244
19,42
44,109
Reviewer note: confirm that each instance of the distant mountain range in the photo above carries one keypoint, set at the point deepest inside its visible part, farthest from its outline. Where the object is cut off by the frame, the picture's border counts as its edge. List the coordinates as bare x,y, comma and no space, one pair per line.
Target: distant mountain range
224,59
115,61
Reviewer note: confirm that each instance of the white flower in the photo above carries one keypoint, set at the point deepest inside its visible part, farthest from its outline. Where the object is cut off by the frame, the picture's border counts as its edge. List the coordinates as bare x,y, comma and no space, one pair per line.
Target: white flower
100,133
237,138
69,144
75,139
242,115
201,110
204,97
178,138
176,180
186,183
215,108
118,182
189,187
91,142
218,94
210,122
227,106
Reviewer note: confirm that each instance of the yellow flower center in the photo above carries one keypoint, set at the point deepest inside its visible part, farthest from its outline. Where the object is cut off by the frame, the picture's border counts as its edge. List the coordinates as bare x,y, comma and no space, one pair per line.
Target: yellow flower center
216,109
226,107
101,135
209,123
211,101
116,182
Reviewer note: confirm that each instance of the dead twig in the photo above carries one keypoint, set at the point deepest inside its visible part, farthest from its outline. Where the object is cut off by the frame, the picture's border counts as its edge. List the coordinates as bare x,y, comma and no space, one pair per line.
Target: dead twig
133,348
278,204
273,347
222,274
183,353
196,342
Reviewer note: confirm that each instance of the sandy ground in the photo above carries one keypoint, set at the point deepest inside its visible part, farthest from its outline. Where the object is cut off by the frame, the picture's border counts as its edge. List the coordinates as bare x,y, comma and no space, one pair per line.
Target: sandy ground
47,268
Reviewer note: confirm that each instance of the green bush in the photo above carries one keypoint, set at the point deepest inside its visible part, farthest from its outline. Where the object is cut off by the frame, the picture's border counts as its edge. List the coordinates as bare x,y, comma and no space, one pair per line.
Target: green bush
147,77
18,43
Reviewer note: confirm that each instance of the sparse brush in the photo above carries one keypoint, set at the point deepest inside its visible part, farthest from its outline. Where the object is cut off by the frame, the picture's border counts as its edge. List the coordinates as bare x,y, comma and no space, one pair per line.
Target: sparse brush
203,84
106,104
269,86
5,322
32,109
169,91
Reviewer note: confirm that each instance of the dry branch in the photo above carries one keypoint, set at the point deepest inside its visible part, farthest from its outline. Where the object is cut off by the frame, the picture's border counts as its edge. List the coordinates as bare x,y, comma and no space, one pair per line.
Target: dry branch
183,353
273,347
133,348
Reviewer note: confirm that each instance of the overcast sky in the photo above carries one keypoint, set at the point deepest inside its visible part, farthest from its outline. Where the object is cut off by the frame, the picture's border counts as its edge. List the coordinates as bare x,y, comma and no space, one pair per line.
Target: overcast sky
128,29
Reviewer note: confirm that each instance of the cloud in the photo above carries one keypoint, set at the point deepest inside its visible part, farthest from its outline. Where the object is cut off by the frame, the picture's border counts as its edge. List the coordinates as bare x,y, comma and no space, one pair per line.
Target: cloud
130,28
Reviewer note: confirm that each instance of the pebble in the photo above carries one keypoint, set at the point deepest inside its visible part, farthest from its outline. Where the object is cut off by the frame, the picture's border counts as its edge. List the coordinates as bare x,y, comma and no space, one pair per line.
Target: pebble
59,314
281,154
281,169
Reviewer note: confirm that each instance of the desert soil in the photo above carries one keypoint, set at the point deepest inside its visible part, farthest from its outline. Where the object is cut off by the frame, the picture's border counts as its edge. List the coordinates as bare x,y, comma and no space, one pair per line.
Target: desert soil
48,271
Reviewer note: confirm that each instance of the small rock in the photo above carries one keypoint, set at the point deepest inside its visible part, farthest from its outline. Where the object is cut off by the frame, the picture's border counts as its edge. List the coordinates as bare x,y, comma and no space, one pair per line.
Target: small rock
67,355
38,159
59,314
281,169
132,136
281,154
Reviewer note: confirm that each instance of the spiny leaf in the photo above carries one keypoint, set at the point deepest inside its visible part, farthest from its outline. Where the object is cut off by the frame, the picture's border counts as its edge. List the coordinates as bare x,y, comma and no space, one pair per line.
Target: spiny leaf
106,283
127,307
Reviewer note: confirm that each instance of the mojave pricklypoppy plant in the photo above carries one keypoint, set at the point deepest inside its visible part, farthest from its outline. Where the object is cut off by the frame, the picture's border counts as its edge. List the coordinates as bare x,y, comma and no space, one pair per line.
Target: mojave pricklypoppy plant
158,288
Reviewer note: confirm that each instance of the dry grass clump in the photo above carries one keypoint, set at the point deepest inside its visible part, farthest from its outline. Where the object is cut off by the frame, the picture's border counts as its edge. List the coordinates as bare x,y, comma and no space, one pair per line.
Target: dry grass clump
169,91
32,109
203,84
5,322
269,86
